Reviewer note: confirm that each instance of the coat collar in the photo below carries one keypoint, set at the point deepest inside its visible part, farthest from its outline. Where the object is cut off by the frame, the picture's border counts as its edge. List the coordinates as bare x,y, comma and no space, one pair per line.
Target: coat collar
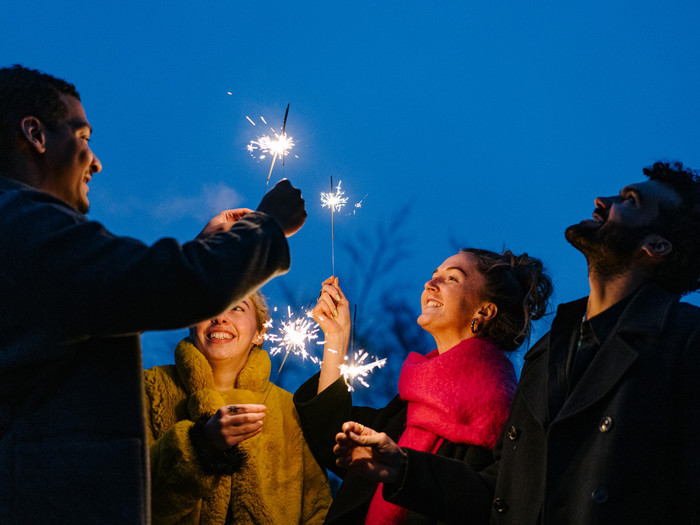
642,321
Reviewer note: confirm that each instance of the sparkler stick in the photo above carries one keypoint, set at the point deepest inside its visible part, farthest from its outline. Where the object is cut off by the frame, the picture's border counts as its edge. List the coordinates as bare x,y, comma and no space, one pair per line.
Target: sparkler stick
334,201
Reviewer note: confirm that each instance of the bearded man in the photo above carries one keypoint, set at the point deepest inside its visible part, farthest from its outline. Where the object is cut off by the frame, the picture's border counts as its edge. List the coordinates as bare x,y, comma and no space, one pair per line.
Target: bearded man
605,421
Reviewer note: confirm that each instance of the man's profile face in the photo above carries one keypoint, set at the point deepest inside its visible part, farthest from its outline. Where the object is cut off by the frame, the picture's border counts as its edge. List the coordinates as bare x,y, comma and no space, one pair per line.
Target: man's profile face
69,161
620,223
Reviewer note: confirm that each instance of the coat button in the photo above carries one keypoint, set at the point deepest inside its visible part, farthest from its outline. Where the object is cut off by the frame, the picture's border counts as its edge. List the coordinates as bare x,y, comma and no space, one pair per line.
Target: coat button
499,505
600,495
605,424
513,433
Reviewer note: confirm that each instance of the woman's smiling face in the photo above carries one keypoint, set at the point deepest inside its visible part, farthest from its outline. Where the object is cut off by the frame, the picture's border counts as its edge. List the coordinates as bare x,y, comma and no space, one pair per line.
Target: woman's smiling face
228,336
451,299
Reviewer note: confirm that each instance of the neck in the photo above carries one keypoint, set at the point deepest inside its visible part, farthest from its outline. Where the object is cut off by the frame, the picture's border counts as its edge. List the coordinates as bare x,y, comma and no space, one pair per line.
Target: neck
606,291
225,373
445,342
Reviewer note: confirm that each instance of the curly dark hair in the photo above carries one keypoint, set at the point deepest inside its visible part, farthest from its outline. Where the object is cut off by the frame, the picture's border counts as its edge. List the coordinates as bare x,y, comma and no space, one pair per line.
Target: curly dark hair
519,287
24,92
680,271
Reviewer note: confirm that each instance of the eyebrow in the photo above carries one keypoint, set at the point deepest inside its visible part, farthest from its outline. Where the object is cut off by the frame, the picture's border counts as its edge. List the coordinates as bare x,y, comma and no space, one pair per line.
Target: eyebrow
628,189
452,268
78,124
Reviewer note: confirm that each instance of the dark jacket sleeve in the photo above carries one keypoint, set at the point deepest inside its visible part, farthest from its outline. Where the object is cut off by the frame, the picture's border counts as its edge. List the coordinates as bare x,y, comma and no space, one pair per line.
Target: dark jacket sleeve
443,488
102,284
322,416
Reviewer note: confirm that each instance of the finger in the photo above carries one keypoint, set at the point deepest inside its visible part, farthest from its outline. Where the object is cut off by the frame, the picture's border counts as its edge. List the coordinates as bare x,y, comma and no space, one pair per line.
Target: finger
321,311
333,290
245,408
327,304
242,430
242,419
353,426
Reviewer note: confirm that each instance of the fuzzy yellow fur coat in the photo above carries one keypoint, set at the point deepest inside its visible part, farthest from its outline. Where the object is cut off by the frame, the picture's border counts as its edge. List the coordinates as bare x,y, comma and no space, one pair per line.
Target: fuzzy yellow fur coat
279,482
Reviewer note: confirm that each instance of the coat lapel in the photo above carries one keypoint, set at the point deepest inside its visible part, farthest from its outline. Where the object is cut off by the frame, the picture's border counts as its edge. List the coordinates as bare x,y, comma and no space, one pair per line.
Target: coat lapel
545,365
643,320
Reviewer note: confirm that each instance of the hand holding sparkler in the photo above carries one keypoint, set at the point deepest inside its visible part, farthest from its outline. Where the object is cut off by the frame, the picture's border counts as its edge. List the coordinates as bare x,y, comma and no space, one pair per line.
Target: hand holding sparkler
223,221
371,454
284,204
332,313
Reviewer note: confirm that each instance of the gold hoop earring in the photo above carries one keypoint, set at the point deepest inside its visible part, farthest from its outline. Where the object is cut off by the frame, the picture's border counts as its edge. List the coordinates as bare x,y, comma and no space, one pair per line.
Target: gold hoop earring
475,327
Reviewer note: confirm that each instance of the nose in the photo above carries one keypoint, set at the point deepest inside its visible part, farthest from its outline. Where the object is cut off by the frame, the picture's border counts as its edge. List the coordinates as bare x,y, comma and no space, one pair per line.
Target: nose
95,165
219,320
603,202
431,285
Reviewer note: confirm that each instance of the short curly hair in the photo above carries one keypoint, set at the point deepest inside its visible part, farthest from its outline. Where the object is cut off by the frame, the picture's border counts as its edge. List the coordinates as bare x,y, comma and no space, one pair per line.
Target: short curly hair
680,271
25,92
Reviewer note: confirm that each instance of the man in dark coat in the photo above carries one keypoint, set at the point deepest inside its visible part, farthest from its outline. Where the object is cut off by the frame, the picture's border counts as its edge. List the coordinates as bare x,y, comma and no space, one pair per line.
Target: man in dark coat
73,299
604,424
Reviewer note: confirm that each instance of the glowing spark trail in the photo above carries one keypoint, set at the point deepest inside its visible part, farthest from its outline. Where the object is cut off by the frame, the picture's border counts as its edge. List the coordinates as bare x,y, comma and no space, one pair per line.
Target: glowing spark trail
334,201
292,337
358,370
277,144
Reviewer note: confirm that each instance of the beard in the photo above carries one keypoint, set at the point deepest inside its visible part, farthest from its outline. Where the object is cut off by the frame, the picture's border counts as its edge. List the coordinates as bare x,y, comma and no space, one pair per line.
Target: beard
609,248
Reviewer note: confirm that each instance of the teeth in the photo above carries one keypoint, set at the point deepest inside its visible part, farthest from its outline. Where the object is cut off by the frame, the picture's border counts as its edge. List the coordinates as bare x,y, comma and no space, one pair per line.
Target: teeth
433,304
220,335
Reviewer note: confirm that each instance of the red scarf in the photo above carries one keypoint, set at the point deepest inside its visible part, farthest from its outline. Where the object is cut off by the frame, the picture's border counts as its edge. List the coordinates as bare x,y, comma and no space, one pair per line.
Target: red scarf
462,396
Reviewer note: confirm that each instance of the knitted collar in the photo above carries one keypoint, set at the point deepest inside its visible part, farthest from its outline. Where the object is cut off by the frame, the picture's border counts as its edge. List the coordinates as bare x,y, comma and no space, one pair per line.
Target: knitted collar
196,373
462,395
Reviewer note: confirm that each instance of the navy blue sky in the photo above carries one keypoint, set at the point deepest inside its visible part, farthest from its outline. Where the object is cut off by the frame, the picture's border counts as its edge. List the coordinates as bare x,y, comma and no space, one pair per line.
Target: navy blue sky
482,123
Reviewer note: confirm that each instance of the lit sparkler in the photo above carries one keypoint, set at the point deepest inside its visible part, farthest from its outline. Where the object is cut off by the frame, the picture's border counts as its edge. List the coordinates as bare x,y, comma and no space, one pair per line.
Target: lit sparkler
292,337
358,370
277,144
334,201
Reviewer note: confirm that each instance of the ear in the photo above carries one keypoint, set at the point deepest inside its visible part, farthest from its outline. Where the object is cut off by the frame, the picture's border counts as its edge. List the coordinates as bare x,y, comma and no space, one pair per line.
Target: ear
33,132
656,246
488,311
259,338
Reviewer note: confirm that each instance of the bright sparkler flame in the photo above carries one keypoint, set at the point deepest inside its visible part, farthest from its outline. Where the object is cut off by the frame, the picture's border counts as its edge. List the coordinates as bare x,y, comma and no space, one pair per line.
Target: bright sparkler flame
334,201
293,335
358,370
278,146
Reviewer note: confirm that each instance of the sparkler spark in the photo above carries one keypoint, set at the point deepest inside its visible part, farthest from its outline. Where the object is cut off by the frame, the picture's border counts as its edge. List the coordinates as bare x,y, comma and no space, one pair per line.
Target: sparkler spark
293,335
358,370
334,201
278,146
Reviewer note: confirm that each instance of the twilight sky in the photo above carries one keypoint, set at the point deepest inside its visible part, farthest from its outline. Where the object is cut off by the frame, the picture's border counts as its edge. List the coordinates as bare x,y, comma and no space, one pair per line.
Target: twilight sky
466,123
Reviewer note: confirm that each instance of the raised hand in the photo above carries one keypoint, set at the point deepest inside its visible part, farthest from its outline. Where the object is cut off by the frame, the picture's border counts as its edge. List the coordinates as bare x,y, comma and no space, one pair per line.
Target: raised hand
232,424
332,313
284,203
223,221
373,455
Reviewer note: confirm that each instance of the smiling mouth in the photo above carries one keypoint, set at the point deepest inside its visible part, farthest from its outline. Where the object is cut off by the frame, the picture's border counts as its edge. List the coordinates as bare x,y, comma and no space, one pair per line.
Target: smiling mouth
433,304
219,336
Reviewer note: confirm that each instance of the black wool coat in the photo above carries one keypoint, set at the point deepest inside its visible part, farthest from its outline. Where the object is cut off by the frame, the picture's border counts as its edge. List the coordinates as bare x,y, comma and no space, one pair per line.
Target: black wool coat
73,299
621,449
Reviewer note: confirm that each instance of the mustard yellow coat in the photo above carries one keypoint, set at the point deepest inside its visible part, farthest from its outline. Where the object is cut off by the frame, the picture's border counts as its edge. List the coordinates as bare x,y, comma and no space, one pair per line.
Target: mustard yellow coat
279,483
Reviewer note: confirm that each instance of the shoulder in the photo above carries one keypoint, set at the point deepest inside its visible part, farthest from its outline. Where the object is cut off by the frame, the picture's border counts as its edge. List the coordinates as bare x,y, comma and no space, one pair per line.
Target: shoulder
160,380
